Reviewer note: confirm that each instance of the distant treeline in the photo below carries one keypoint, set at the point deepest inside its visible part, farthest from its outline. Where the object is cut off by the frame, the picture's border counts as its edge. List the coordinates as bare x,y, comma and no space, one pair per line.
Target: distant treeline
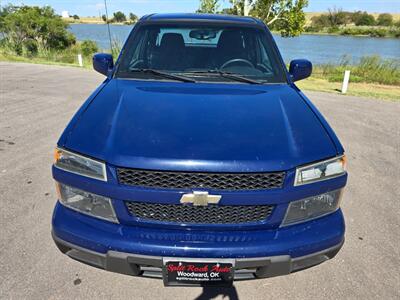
120,17
117,17
354,23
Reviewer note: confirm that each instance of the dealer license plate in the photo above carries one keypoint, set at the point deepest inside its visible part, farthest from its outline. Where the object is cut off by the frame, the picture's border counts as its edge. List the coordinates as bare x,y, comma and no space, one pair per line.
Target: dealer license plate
198,273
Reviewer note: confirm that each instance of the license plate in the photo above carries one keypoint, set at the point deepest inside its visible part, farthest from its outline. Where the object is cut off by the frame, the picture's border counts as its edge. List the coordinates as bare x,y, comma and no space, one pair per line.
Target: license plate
198,273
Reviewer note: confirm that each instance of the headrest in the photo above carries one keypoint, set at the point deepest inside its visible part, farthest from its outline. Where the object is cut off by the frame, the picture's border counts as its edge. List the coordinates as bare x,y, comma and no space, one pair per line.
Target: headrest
230,39
172,41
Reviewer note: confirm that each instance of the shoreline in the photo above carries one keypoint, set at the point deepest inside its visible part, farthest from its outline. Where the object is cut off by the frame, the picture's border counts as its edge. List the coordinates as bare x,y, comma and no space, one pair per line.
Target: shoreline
97,22
342,35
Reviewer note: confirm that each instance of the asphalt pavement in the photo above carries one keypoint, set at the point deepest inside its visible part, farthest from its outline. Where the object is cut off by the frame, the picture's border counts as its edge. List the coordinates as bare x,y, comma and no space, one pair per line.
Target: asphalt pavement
37,101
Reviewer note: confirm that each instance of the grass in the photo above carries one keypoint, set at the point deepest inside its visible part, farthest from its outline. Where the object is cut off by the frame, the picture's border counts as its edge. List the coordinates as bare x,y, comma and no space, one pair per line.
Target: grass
43,61
372,31
360,89
67,57
370,69
371,77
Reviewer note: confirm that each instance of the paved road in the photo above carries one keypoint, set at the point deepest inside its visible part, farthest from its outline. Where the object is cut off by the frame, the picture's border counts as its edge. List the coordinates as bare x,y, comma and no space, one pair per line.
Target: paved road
37,101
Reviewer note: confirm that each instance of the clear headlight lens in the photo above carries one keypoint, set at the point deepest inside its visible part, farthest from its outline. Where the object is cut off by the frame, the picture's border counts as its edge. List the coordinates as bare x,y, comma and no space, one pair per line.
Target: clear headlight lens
312,207
321,171
86,203
78,164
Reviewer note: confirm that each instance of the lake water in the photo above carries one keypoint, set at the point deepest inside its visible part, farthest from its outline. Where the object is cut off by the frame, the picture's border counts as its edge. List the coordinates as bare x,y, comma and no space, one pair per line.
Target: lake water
317,48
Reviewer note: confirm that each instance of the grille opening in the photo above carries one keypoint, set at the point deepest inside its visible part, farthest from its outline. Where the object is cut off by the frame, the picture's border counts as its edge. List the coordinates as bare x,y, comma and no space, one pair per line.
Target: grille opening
192,180
189,214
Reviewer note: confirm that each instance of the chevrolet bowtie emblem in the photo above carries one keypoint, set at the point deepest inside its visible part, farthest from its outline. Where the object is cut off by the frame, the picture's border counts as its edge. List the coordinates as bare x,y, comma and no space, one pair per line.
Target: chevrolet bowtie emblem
200,198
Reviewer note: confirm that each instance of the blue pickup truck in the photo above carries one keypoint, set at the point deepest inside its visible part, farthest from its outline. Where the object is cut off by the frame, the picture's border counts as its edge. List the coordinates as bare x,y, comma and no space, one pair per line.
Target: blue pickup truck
198,160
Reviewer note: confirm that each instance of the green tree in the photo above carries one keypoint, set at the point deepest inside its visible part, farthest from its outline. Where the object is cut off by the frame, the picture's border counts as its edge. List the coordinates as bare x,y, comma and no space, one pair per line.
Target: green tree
363,19
7,9
89,47
237,7
337,17
119,16
104,18
30,27
286,16
227,11
75,17
320,22
385,20
133,17
208,6
355,16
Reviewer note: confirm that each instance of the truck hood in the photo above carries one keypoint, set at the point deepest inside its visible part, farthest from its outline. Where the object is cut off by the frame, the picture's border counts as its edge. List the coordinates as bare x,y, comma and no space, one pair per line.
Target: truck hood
199,127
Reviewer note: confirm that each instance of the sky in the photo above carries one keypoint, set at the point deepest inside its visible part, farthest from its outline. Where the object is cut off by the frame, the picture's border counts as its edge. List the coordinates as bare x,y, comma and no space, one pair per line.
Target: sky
142,7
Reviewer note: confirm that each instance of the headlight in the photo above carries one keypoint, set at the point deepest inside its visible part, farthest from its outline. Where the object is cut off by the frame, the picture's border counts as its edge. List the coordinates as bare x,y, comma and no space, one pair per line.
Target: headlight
86,203
321,171
78,164
312,207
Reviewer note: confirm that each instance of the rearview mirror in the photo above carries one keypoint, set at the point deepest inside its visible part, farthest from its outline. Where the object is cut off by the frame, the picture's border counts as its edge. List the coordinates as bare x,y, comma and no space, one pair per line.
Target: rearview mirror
300,69
103,63
203,34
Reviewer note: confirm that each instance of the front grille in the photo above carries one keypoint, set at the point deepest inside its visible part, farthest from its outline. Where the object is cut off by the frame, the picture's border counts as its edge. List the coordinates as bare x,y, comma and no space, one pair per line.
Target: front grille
211,214
192,180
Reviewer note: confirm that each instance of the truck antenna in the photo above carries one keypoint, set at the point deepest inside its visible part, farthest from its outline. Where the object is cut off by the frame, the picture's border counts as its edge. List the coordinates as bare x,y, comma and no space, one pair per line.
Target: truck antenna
108,25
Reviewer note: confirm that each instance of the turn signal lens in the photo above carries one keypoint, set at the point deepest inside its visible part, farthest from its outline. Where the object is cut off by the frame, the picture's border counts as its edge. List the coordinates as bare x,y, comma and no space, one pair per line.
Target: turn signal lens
79,164
321,171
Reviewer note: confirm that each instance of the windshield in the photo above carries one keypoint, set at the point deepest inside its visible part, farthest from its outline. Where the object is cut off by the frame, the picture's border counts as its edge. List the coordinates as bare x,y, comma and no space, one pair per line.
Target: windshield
203,53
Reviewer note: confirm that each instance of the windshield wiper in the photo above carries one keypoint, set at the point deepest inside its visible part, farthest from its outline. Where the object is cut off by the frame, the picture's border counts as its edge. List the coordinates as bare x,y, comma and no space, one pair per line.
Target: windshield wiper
228,75
163,74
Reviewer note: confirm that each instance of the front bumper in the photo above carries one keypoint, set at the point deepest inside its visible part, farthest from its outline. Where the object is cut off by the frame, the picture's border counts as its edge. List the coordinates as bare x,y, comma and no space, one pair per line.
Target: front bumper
151,266
135,250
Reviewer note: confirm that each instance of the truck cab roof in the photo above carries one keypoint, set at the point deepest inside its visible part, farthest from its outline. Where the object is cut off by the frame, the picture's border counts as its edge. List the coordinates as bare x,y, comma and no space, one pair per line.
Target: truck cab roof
201,17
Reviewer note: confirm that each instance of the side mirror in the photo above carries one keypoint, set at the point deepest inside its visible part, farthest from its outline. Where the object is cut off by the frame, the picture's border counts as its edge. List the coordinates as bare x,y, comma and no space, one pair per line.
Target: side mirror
103,63
300,69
